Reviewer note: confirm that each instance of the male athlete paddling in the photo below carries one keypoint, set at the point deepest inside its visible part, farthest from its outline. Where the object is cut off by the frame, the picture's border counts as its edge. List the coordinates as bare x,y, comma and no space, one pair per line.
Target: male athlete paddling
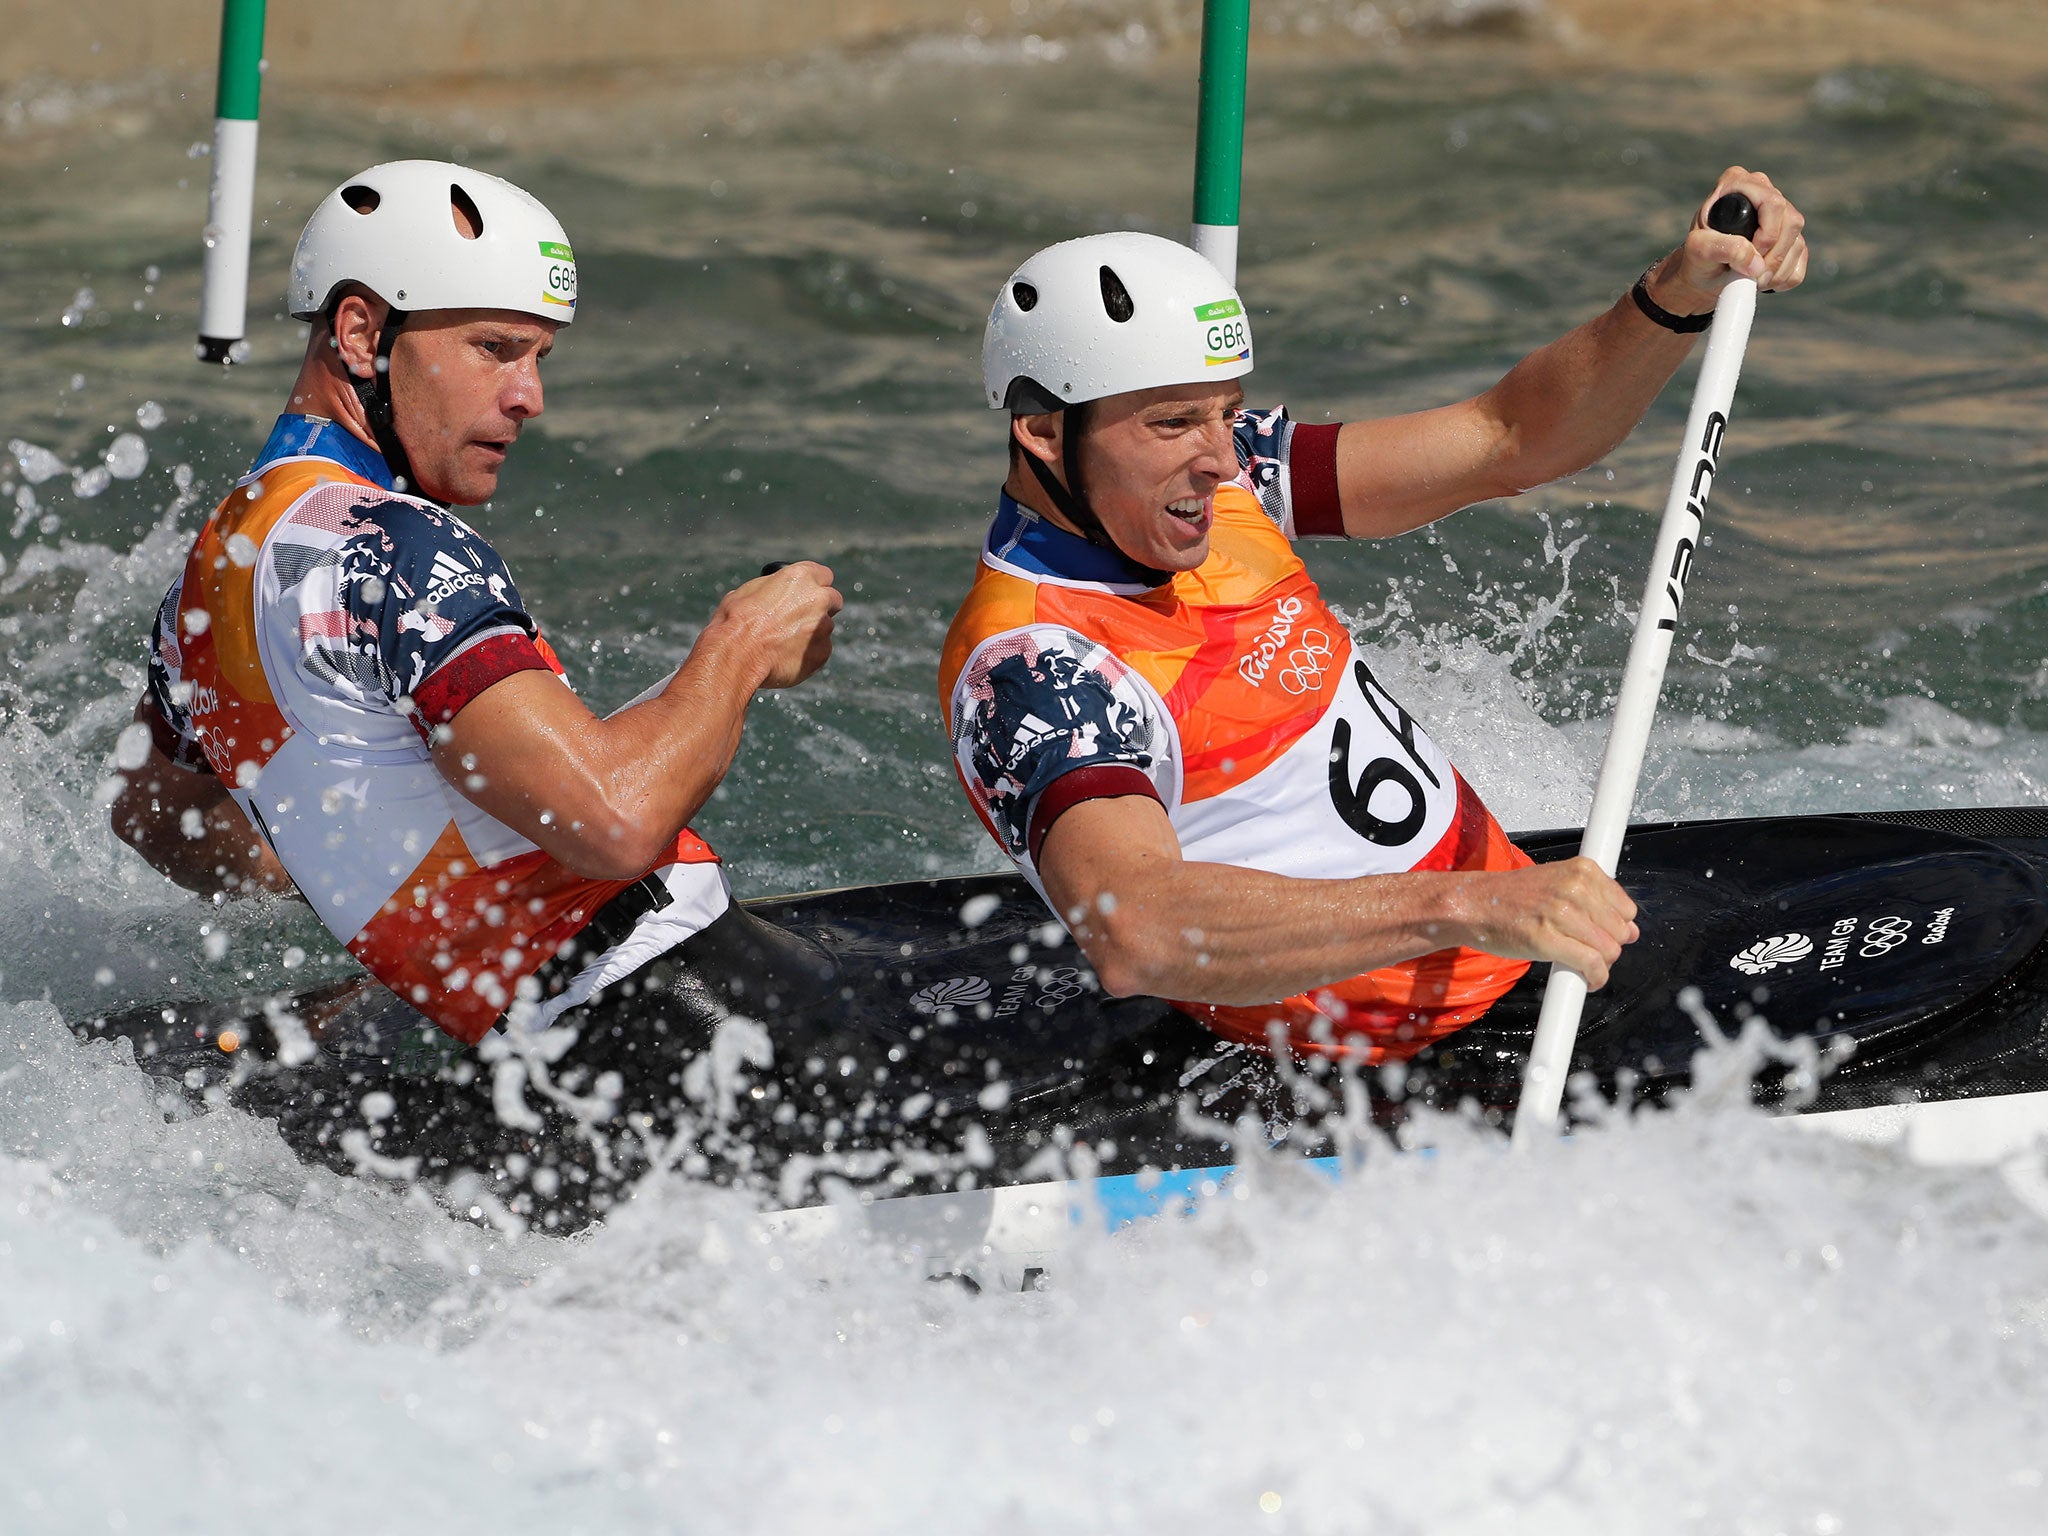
346,693
1158,718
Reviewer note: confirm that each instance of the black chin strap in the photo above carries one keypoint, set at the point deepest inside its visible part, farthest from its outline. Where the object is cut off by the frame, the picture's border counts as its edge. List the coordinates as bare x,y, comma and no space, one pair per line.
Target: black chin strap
1072,500
375,394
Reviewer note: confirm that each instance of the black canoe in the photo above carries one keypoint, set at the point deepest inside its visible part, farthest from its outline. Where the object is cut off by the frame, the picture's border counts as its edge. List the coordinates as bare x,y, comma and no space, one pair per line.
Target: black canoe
924,1034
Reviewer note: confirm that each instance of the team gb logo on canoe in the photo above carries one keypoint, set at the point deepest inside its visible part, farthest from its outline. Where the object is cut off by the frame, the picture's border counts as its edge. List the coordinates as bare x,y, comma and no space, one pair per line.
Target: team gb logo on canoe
953,992
1769,954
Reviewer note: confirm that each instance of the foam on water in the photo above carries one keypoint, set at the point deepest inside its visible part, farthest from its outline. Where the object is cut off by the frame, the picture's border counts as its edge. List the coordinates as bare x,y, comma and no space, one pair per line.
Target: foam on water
1689,1321
1692,1320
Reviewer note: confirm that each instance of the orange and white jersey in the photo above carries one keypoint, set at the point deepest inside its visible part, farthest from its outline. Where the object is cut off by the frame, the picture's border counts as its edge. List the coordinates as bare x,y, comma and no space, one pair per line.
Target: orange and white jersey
324,624
1234,697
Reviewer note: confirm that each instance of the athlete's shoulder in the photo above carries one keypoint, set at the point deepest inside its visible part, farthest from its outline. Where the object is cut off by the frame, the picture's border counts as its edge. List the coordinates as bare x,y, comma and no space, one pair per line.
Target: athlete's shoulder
1291,467
387,589
425,552
1041,701
996,601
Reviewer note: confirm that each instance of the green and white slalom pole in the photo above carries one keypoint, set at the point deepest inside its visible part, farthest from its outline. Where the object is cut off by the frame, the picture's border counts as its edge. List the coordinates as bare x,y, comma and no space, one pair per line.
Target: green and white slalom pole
1699,454
231,201
1219,132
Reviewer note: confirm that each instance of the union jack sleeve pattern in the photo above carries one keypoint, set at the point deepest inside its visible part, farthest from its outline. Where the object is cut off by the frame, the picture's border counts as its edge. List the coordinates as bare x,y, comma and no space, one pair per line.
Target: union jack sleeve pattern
399,602
1292,468
1037,704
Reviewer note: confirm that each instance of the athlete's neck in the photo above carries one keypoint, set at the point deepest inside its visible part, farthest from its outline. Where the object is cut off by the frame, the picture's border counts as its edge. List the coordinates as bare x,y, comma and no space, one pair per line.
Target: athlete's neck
1031,542
323,389
1023,488
295,436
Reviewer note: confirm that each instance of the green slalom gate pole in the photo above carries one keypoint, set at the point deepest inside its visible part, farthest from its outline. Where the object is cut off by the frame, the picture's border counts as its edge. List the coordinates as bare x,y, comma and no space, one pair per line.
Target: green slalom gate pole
231,201
1219,134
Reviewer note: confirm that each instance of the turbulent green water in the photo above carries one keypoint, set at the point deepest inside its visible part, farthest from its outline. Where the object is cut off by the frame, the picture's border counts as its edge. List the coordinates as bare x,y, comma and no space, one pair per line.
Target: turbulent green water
784,275
1693,1321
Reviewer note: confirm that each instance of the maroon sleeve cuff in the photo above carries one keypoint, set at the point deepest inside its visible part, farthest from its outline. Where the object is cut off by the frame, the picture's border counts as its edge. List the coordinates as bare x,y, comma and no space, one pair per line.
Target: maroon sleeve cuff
181,750
450,686
1312,479
1103,781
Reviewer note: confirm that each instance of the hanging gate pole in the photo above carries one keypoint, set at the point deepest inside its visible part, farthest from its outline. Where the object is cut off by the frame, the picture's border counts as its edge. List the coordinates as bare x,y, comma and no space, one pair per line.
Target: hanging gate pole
231,200
1219,132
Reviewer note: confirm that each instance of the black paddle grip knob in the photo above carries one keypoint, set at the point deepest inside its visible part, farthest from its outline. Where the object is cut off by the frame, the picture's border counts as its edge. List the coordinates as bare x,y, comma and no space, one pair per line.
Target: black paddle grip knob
1733,214
772,567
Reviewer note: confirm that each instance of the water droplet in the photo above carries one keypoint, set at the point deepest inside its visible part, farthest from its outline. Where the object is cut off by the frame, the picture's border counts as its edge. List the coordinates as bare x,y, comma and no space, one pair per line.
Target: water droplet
149,415
37,464
127,457
131,747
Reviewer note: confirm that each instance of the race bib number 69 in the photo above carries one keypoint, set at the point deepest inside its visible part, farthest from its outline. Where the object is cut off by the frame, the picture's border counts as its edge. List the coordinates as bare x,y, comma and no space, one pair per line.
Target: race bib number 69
1384,802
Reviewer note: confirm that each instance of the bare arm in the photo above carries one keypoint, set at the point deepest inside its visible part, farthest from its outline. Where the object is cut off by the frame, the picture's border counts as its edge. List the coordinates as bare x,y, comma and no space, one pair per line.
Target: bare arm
191,831
1566,404
607,796
1152,922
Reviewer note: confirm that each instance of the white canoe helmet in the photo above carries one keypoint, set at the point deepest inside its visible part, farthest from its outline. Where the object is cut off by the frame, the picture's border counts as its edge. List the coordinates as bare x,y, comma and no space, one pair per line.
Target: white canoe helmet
1107,314
393,230
1100,316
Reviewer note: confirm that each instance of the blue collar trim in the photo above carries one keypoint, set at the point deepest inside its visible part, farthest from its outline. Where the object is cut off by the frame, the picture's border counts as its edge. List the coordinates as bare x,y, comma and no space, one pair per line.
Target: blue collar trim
315,437
1020,537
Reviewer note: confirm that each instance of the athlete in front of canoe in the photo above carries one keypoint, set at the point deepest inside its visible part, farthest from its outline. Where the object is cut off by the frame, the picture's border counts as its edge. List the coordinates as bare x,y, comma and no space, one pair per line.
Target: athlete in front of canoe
347,696
1156,715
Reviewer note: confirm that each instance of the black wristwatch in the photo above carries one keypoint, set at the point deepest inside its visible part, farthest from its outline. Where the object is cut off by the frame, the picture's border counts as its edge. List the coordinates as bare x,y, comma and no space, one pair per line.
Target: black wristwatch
1685,325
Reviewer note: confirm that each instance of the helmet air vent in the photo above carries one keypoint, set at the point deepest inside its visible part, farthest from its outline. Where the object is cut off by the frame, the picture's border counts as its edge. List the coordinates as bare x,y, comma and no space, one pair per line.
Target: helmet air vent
1116,298
361,198
469,223
1025,295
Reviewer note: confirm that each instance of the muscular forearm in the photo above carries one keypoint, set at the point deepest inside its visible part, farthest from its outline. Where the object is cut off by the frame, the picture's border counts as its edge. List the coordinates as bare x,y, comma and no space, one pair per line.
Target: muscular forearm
620,788
607,797
1574,401
1151,922
1567,404
1220,934
1556,411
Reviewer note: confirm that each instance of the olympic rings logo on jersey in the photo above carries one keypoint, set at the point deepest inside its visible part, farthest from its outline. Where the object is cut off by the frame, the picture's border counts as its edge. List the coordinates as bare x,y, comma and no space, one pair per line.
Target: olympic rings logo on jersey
1884,935
1307,662
1306,657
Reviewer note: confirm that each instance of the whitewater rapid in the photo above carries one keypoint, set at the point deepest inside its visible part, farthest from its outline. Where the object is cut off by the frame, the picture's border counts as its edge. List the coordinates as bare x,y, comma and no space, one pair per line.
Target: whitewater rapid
1684,1321
1695,1321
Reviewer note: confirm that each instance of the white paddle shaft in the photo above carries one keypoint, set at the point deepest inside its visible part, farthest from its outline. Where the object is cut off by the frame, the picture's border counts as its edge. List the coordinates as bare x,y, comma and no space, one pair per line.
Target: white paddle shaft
1557,1027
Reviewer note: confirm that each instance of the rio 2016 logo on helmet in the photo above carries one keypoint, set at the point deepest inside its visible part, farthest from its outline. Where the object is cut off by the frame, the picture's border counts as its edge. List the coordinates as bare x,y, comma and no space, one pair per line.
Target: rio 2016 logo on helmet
1229,337
1106,315
560,291
426,234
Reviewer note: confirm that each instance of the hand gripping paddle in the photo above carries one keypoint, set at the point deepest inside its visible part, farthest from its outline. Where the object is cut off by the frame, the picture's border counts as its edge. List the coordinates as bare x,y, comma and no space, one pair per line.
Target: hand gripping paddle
1557,1027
